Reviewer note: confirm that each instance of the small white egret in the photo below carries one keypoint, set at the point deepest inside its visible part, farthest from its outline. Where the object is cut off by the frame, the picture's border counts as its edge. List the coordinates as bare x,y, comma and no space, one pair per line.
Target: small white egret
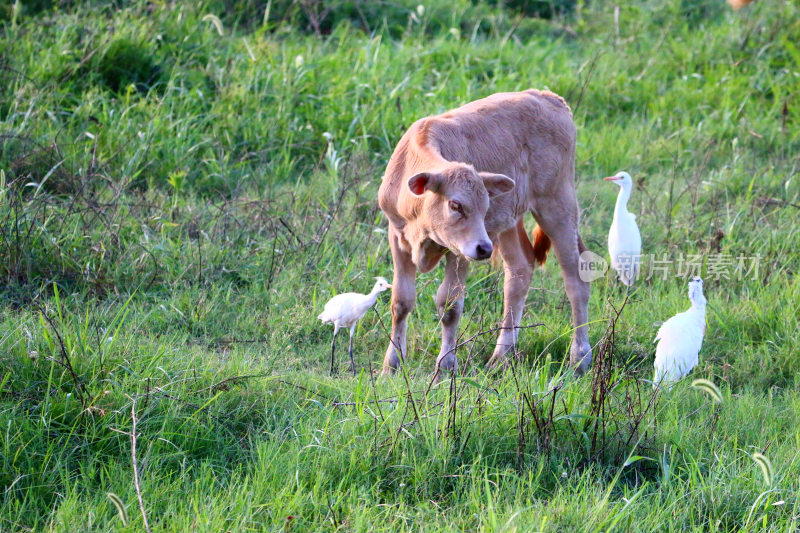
345,310
680,339
624,239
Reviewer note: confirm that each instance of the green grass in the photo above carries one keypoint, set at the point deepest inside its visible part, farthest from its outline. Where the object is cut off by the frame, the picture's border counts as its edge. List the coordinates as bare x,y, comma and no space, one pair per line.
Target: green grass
179,222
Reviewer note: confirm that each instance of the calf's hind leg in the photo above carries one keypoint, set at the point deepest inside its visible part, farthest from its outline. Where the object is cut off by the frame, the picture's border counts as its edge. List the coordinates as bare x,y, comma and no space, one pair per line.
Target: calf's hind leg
562,228
518,274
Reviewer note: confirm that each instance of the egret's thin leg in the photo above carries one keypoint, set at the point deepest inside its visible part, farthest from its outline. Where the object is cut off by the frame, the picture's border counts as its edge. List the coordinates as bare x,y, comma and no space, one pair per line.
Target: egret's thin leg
333,348
352,361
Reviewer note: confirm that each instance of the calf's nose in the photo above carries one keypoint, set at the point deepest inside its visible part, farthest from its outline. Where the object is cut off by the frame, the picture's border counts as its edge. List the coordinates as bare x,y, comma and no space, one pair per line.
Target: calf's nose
483,250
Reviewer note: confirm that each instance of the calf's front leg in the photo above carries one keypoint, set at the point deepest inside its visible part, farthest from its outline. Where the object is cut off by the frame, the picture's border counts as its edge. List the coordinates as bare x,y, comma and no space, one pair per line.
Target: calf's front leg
450,304
403,294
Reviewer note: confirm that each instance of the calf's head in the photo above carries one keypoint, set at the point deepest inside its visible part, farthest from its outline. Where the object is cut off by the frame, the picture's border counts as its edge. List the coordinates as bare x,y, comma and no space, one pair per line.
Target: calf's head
452,210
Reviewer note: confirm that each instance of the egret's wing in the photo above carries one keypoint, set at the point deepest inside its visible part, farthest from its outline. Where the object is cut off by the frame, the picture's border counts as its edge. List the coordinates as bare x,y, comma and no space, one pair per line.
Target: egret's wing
679,341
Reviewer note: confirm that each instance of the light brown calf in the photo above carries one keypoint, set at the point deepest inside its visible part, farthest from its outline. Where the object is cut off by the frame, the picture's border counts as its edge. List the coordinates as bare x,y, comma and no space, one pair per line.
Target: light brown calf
457,185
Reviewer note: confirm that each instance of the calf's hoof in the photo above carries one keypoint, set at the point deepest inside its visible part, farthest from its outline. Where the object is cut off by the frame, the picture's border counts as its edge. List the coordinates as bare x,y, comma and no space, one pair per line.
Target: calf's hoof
390,364
580,356
499,358
497,362
445,363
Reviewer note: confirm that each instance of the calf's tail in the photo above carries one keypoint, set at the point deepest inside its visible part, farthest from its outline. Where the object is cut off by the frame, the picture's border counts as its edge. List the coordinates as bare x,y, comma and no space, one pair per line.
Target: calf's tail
539,246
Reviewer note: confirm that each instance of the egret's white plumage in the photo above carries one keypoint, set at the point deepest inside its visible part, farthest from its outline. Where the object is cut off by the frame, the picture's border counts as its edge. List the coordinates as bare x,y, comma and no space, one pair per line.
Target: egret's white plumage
624,239
680,339
345,310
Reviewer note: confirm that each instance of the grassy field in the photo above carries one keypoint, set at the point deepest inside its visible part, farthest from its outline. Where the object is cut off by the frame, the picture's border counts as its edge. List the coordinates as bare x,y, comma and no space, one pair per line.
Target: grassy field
183,186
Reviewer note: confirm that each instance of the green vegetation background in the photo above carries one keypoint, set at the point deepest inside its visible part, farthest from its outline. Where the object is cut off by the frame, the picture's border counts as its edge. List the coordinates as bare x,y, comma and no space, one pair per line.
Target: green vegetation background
183,185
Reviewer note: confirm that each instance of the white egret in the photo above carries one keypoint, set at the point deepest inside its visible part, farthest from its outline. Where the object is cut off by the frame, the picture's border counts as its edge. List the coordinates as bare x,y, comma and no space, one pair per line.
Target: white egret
345,310
680,339
624,239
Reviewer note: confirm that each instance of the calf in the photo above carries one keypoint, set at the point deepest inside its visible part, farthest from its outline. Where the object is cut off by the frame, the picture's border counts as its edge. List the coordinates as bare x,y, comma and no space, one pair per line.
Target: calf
458,185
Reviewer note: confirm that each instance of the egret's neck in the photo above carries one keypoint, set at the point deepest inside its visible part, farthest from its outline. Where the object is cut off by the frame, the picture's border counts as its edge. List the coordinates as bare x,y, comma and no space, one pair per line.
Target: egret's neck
376,290
699,303
622,201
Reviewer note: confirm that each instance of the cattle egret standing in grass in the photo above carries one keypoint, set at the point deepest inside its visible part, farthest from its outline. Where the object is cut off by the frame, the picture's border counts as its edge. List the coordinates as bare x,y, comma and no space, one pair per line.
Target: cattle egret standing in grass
680,338
624,239
345,310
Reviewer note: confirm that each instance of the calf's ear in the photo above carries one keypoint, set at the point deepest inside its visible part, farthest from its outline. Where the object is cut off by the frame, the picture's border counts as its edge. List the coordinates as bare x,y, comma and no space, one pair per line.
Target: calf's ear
496,184
423,181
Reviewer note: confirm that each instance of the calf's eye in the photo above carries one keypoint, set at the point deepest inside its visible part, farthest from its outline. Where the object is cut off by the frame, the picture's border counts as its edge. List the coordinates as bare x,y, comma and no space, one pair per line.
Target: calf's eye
454,206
